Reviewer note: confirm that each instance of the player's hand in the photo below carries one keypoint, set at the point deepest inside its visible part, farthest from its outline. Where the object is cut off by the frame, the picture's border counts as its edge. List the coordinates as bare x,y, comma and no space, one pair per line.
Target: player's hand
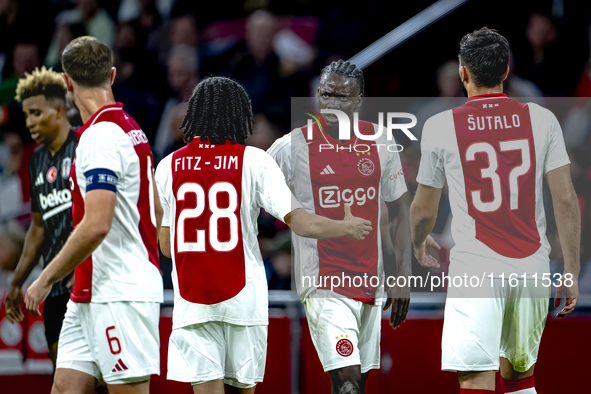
358,227
571,295
423,256
399,298
12,305
35,296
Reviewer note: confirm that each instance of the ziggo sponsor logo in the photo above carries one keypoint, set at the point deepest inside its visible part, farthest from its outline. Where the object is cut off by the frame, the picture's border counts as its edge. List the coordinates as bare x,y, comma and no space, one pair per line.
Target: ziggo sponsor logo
333,196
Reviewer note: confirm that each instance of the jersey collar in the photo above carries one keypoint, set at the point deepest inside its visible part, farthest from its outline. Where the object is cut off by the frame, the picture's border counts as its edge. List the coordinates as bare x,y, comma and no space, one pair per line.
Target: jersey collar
486,97
93,118
71,135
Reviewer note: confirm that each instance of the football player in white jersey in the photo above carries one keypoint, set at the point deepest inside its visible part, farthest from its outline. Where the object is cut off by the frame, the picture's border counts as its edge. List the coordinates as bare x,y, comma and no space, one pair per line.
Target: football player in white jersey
494,153
211,192
110,329
345,321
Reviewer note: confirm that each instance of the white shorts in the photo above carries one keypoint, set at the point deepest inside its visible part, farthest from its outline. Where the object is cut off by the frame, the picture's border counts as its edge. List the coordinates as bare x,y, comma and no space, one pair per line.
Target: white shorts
478,331
116,341
345,332
216,350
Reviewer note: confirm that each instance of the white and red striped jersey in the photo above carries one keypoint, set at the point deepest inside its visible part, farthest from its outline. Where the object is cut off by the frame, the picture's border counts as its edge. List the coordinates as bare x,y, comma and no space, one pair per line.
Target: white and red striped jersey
324,174
494,153
211,196
125,266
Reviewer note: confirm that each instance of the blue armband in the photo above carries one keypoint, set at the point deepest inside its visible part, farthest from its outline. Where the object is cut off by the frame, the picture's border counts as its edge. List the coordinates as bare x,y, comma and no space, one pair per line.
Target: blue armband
101,178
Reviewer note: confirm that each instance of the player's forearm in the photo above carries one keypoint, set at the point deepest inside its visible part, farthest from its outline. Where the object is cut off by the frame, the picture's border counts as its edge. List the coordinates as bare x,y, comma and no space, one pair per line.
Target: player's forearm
422,221
164,240
81,243
159,221
568,224
309,225
400,236
319,227
159,211
33,242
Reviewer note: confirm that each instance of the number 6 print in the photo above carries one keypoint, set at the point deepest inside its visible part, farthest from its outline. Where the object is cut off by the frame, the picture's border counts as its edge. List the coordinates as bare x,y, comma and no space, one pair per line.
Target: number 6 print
113,339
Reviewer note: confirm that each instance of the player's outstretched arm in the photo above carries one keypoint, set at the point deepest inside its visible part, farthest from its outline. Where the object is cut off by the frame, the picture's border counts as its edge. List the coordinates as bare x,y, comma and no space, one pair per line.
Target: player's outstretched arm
310,225
423,212
33,242
568,222
99,210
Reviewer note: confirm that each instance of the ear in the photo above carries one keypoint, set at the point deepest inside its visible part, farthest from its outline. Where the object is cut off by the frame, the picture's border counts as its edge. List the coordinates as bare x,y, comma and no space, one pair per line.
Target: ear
68,81
61,109
113,74
506,73
464,74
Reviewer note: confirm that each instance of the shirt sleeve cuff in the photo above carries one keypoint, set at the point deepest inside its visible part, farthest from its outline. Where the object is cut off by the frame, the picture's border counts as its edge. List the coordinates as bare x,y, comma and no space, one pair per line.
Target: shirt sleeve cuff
430,183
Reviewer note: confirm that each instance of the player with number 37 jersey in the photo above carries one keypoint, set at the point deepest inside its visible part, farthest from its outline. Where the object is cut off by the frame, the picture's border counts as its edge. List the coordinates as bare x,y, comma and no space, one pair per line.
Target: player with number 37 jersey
494,153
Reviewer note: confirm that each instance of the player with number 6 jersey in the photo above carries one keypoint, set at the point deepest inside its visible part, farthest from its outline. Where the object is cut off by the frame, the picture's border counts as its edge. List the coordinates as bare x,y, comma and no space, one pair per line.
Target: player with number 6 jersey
110,329
494,153
211,192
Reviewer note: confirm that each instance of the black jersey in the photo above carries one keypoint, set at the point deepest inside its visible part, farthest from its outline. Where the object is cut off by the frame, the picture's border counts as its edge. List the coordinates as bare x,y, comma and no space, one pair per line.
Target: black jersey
51,197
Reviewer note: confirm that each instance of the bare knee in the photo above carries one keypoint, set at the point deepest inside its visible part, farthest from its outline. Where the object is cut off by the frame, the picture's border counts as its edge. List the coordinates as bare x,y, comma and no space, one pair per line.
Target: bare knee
346,380
69,381
477,379
59,385
349,388
54,389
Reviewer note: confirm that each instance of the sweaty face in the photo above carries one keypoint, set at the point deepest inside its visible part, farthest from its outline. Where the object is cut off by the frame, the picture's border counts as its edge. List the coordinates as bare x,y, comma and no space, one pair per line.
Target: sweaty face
338,92
41,118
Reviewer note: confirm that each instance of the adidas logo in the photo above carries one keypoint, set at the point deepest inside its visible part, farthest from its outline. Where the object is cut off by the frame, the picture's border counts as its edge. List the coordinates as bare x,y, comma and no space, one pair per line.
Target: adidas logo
327,171
119,366
39,180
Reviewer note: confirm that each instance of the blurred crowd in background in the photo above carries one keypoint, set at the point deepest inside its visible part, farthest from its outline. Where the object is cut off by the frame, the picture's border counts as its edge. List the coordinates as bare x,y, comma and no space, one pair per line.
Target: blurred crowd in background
276,49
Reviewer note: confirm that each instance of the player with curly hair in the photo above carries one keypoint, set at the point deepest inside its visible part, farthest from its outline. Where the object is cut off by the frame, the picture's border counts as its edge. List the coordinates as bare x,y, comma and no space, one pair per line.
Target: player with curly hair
211,192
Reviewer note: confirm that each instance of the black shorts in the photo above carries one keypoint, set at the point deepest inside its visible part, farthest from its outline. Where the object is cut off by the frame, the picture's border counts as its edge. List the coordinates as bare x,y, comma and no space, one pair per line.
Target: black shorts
54,311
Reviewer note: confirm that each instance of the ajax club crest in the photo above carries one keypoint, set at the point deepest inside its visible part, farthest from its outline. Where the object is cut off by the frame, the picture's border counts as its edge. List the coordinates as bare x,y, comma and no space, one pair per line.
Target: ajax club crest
365,166
344,347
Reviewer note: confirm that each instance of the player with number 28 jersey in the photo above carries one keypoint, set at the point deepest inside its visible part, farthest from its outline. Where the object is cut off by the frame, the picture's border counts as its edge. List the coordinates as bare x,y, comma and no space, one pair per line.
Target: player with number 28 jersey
211,193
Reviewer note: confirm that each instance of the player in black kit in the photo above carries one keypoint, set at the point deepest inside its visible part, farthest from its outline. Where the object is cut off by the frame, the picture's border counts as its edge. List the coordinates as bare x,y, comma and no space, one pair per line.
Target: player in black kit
43,94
